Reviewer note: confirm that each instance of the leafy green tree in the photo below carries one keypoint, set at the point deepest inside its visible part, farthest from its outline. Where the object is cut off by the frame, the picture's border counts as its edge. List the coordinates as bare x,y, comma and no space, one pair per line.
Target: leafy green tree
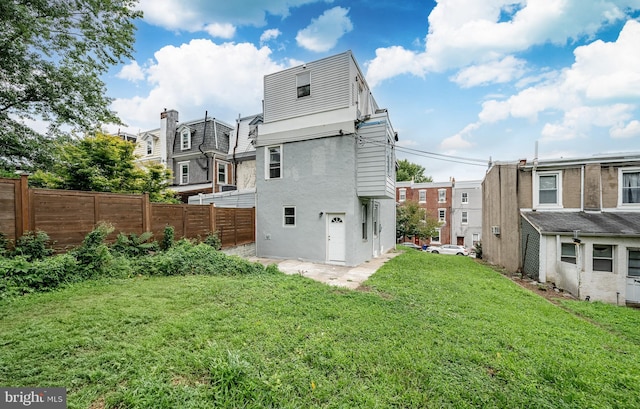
413,221
52,55
104,163
411,171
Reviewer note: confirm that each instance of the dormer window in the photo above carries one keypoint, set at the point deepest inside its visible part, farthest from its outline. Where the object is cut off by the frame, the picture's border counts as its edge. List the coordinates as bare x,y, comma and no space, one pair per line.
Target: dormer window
303,84
149,146
185,139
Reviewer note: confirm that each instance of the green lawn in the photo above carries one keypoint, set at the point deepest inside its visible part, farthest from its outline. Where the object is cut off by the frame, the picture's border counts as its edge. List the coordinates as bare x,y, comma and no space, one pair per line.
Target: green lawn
429,331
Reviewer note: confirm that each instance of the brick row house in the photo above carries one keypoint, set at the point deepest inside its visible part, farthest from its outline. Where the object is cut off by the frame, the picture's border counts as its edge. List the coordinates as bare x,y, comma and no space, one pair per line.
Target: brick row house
456,205
571,222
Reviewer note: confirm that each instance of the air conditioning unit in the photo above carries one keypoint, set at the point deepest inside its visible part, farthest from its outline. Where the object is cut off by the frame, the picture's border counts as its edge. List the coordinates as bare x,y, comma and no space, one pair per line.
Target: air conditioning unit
495,230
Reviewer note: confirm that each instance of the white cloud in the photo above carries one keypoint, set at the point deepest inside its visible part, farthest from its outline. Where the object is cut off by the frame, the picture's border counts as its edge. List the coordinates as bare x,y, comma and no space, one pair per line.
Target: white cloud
505,70
324,32
225,90
196,16
269,35
393,61
131,72
454,143
220,30
579,121
630,130
467,32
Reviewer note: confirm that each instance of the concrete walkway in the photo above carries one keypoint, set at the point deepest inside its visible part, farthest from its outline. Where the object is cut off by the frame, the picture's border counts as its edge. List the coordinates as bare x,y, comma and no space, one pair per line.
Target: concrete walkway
341,276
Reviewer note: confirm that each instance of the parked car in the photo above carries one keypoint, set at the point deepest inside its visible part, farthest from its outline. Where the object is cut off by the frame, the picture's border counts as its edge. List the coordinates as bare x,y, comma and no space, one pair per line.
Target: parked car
411,245
449,249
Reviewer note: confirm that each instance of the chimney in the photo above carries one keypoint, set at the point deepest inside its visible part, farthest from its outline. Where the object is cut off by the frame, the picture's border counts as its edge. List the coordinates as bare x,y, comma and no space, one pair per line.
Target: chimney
168,124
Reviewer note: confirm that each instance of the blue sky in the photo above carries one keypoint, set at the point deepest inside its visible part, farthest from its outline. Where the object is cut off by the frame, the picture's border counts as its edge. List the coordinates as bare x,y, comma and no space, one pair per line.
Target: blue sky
476,80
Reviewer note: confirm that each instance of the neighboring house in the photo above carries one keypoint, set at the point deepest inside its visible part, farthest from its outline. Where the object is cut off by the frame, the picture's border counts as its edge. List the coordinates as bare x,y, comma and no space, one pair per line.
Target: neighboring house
195,151
242,156
466,213
325,166
571,222
436,199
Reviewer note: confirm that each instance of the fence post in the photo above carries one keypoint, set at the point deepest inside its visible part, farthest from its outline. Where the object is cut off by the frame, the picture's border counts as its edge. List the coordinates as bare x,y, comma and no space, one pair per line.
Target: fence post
146,213
212,218
24,206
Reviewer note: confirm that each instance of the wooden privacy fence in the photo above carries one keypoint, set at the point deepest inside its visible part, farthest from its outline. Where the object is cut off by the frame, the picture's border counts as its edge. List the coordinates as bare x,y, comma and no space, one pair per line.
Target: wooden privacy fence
67,216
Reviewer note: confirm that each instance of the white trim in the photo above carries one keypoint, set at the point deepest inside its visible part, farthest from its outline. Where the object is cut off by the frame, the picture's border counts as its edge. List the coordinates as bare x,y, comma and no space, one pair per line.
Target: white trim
284,216
444,218
420,193
185,131
267,162
402,195
621,172
444,198
182,165
226,172
536,190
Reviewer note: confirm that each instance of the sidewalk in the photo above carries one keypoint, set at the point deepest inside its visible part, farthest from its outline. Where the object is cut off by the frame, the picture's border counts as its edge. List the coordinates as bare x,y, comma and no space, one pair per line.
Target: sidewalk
341,276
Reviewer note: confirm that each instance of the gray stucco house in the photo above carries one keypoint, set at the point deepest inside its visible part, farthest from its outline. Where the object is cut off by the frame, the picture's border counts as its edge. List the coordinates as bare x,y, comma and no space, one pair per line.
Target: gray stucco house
325,166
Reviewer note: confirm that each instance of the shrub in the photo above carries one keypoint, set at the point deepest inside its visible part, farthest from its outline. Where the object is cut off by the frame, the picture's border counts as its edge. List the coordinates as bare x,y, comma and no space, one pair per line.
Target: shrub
478,248
33,246
168,239
93,254
213,240
134,245
19,276
4,245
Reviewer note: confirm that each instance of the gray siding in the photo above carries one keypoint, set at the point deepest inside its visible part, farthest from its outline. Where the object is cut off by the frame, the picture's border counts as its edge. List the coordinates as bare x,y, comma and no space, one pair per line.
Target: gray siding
473,208
374,144
330,89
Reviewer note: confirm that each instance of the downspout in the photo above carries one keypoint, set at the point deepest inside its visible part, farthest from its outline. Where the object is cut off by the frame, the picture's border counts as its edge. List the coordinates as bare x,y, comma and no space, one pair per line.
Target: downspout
204,135
235,147
582,190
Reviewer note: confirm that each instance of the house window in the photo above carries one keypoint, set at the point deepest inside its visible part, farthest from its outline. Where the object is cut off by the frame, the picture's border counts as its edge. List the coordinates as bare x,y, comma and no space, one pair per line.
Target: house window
422,196
465,218
634,263
274,162
442,215
184,172
376,216
465,197
630,186
364,221
603,258
185,139
436,238
475,238
548,189
289,216
442,195
222,173
403,195
303,84
568,253
149,147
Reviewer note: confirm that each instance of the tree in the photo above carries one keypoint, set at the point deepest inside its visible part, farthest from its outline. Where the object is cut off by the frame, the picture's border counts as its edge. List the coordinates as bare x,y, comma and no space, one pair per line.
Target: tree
104,163
52,54
411,171
413,221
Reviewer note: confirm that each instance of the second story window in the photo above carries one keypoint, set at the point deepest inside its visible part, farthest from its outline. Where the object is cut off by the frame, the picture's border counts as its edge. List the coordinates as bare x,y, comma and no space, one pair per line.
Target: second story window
184,173
630,187
185,139
442,215
422,196
274,162
303,84
442,195
465,197
465,218
547,189
222,173
402,195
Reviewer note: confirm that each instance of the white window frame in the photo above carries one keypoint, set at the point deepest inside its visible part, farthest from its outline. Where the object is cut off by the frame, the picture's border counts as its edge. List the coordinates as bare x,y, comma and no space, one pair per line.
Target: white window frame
402,197
149,146
225,170
303,84
364,223
267,161
439,236
185,136
464,217
621,173
181,167
571,255
285,216
475,237
629,262
536,189
442,195
464,198
443,218
613,258
422,196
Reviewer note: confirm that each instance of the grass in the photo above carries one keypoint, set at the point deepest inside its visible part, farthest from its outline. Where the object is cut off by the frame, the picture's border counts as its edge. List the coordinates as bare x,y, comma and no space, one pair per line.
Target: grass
429,331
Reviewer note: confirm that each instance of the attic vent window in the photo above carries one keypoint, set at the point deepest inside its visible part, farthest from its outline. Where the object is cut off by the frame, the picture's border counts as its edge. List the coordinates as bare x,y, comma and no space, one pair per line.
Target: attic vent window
303,84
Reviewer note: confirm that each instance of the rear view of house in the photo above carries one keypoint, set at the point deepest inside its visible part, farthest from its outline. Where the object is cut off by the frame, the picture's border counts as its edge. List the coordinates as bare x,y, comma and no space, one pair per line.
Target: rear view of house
325,166
572,222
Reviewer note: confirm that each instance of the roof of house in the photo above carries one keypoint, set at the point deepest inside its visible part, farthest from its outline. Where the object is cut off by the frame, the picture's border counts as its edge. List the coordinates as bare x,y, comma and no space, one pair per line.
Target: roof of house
590,224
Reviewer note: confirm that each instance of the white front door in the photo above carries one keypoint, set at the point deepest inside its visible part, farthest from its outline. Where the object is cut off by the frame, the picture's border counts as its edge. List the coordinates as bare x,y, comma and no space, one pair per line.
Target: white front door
633,276
336,238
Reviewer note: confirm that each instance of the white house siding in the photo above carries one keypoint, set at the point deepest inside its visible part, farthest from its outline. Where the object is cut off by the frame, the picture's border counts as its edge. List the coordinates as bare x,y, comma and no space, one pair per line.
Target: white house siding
473,207
580,279
330,89
375,178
